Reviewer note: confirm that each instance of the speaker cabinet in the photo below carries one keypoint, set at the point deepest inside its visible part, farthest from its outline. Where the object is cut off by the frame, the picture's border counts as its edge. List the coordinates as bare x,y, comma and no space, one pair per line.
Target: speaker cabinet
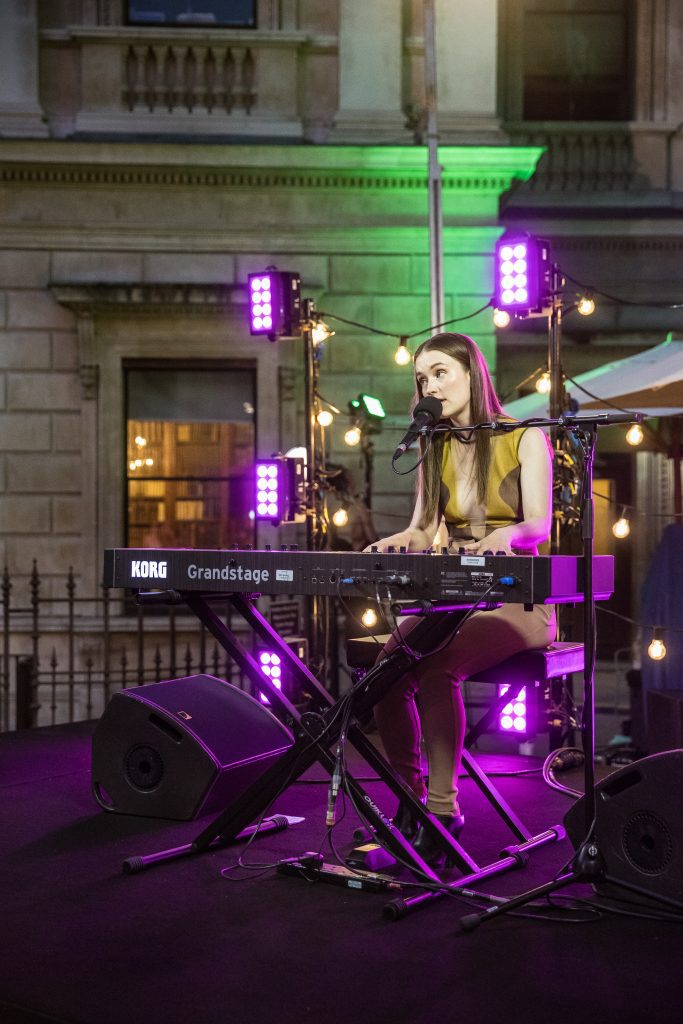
639,826
182,748
664,720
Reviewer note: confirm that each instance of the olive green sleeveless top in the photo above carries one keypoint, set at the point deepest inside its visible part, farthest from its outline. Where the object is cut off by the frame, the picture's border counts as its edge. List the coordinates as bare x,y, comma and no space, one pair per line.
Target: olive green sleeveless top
503,496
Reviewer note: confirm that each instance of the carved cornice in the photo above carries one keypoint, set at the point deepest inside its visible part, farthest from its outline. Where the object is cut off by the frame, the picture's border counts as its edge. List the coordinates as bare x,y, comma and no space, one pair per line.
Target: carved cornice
174,177
645,243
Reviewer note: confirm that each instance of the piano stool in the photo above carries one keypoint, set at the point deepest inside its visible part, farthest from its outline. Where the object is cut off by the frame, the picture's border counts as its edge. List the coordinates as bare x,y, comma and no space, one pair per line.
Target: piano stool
532,669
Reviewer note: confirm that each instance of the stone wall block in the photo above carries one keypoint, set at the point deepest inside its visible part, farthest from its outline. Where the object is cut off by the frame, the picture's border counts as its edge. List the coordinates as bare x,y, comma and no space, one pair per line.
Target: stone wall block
36,474
97,267
66,432
24,515
313,270
67,515
53,554
362,274
24,432
42,391
24,269
183,267
405,314
64,350
36,309
24,350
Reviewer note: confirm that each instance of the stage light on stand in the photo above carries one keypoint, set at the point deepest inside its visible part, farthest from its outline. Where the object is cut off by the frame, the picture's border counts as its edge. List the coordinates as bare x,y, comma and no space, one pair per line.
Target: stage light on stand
586,305
271,666
634,434
270,663
501,318
369,409
622,527
543,384
280,490
274,304
657,649
402,356
523,285
515,718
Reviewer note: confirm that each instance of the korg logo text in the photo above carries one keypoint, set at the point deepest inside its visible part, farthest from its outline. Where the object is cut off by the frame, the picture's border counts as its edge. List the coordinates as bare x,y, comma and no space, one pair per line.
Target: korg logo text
148,570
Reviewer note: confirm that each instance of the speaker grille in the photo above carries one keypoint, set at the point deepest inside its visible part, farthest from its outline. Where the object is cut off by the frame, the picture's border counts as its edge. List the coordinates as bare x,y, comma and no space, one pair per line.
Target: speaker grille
144,767
647,842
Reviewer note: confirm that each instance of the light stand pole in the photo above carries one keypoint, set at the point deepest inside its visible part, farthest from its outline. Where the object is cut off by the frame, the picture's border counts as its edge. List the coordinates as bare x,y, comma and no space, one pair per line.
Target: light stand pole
434,168
588,863
557,393
317,607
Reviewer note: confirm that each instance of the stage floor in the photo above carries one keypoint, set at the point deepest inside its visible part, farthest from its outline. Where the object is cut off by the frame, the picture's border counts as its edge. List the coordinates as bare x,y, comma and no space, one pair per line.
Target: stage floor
186,941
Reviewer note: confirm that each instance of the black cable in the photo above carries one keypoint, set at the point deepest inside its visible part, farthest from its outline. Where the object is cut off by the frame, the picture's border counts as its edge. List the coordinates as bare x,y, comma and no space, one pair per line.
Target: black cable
605,401
415,334
622,302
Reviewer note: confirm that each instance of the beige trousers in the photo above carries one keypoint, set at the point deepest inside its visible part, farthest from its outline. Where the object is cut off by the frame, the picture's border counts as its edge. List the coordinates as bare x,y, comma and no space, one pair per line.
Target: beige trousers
486,639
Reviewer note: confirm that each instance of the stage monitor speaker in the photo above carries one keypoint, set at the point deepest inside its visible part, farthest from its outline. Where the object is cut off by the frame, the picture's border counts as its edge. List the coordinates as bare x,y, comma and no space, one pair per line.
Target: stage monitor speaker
638,827
182,747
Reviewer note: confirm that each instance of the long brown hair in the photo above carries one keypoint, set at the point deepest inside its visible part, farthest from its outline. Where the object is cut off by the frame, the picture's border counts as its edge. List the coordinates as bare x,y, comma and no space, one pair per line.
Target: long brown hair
484,406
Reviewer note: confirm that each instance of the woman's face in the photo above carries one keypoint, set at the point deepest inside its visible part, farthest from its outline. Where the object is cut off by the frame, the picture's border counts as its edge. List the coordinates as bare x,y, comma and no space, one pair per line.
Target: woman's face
439,375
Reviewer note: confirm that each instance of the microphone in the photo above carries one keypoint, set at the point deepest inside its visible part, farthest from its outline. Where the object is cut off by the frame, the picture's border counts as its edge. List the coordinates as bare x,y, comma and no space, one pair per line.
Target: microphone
426,415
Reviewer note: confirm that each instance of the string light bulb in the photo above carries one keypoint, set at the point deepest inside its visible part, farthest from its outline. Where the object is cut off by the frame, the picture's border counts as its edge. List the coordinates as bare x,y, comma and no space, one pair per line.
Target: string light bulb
402,356
586,305
543,384
501,318
622,527
340,517
657,649
369,618
320,332
325,418
352,437
634,434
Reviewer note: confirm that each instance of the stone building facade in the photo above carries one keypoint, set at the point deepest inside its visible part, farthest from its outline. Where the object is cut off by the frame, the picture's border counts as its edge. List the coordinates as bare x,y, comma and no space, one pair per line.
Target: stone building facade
146,169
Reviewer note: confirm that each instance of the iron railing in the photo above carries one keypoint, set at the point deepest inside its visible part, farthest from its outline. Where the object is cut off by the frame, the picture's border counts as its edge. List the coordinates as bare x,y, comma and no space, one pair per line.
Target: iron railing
63,656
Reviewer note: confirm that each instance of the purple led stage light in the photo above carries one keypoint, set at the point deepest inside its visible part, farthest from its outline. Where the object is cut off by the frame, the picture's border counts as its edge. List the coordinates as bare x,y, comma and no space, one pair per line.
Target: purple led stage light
274,303
270,487
271,666
523,275
280,490
514,717
261,303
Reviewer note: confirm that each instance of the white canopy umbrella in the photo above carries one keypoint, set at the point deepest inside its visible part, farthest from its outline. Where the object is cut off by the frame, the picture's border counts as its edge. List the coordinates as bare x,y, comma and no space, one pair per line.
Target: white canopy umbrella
650,382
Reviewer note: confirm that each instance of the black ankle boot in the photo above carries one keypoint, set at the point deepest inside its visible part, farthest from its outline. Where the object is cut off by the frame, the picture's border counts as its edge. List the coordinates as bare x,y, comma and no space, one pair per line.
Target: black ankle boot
430,849
406,820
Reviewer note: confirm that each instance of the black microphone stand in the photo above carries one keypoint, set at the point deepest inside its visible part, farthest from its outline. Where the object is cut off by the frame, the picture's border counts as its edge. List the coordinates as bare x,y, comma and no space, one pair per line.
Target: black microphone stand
587,864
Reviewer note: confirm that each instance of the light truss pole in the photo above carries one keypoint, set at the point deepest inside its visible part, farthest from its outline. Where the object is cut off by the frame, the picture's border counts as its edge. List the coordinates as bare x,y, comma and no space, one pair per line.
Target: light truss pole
434,169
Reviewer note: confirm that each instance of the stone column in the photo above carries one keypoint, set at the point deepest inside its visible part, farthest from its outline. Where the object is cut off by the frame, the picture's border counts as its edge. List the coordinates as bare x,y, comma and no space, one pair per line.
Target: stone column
20,112
658,125
370,45
466,62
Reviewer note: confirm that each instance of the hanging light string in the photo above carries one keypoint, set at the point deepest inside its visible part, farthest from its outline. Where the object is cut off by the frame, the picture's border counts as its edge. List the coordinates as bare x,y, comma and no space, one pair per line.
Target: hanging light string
415,334
632,509
641,625
592,290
